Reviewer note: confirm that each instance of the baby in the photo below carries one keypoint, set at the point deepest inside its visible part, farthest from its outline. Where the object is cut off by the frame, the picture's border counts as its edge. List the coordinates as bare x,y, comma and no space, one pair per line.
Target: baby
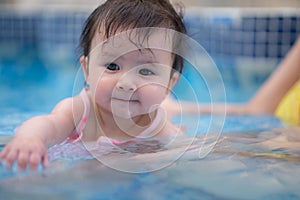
129,67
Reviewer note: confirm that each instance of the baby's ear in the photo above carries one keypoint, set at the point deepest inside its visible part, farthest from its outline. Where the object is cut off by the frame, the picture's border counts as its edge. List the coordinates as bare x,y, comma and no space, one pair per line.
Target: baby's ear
173,80
84,65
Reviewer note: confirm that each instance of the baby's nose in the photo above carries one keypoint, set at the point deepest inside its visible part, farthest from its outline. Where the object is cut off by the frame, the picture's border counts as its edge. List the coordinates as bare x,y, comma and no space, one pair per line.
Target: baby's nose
126,84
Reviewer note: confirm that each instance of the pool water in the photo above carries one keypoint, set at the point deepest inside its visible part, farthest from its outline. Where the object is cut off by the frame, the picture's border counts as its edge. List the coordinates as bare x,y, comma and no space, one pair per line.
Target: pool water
243,165
254,158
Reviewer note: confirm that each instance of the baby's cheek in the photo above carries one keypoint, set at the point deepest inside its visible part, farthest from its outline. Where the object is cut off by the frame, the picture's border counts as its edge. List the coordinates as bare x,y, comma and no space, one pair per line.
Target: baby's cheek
103,91
154,95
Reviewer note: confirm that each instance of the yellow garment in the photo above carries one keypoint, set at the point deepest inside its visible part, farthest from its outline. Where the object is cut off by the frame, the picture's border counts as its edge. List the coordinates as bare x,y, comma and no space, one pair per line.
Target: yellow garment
289,108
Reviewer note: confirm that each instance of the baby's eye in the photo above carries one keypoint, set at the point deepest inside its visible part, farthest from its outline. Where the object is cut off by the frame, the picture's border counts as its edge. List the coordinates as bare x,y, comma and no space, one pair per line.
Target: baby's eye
113,67
146,72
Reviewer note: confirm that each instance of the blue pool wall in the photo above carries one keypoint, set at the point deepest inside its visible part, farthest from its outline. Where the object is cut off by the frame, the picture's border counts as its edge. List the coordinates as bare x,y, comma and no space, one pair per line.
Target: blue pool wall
229,31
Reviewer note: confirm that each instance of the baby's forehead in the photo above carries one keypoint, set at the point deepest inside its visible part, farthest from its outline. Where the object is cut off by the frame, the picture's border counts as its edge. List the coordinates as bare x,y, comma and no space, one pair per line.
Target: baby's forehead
129,41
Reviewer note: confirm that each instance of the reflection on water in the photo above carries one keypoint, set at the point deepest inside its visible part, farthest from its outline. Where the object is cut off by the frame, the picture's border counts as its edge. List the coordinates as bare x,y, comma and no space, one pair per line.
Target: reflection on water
242,165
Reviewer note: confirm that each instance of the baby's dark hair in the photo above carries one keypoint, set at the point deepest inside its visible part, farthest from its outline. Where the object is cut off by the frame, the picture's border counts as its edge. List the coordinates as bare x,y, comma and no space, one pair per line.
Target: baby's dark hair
114,15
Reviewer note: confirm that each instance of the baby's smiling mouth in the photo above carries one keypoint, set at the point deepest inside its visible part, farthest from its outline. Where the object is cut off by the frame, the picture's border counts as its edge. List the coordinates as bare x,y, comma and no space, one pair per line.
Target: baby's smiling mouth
125,100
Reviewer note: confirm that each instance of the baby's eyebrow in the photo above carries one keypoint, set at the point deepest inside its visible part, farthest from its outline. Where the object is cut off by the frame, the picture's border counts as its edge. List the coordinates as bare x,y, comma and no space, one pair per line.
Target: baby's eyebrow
146,55
105,49
107,54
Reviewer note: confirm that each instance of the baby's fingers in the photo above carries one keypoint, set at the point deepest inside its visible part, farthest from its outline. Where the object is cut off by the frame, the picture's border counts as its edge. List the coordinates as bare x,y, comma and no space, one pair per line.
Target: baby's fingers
23,160
11,157
3,153
45,160
34,160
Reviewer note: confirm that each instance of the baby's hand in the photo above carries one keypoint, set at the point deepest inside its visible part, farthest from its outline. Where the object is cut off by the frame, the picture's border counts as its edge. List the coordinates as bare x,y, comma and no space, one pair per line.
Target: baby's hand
26,151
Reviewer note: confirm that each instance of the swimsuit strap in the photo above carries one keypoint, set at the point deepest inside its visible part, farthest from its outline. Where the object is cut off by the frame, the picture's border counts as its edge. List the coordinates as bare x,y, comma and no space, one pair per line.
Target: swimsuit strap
86,113
78,131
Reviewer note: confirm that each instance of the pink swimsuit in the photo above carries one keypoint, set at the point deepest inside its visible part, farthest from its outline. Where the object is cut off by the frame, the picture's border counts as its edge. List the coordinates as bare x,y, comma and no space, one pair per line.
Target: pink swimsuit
78,131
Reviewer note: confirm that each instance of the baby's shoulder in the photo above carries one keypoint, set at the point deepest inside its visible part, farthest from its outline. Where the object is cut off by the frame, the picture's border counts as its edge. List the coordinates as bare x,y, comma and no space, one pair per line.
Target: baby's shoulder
69,102
71,105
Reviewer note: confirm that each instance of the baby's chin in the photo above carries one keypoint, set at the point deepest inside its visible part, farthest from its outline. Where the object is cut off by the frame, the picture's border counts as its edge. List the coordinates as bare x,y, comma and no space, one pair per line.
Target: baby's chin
122,115
126,115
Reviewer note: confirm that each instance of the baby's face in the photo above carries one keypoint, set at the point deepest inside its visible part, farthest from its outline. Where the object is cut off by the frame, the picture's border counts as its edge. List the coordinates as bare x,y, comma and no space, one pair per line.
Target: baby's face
129,81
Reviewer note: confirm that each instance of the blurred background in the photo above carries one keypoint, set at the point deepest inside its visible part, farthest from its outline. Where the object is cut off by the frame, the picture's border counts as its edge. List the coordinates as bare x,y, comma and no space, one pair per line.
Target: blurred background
39,56
218,3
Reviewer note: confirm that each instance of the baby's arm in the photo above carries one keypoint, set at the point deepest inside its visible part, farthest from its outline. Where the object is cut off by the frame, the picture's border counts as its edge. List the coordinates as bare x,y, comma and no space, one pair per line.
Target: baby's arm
33,137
